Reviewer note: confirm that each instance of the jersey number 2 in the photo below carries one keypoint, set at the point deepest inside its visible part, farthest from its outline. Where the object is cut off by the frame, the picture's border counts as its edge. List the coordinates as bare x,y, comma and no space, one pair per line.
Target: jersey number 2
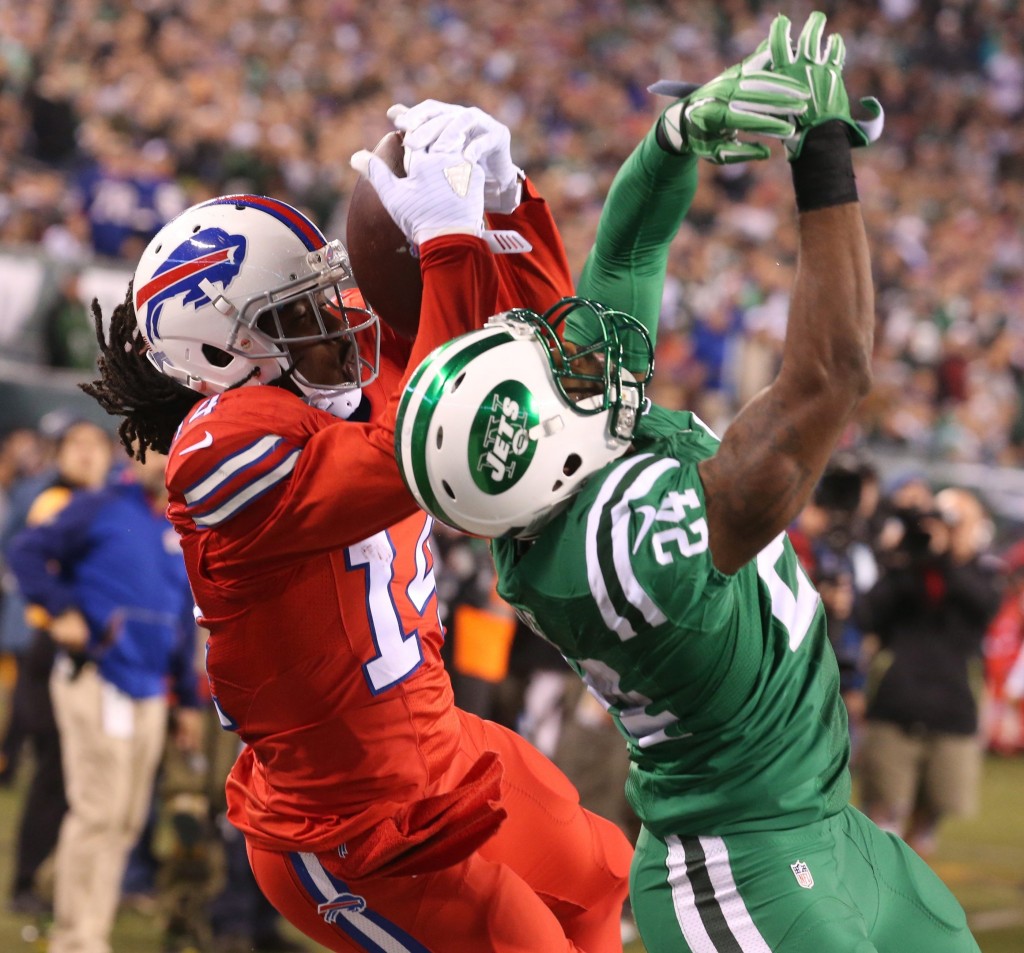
795,610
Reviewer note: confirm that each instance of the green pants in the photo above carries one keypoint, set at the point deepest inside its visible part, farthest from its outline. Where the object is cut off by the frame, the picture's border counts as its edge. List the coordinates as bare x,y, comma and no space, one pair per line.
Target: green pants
835,886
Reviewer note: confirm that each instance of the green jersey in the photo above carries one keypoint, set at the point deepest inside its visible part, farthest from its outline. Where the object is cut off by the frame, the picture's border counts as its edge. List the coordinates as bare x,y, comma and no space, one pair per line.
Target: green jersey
724,686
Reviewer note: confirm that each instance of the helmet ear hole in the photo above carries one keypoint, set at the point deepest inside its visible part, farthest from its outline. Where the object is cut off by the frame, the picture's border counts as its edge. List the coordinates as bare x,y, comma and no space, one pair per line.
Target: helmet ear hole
216,356
439,439
572,463
447,488
458,380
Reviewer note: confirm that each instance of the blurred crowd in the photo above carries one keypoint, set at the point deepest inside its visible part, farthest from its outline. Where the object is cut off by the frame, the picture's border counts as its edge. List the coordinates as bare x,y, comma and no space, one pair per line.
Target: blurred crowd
114,115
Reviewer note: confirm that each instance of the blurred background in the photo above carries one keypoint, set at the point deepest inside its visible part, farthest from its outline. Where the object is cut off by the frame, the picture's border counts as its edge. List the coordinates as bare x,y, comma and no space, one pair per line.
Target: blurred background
117,114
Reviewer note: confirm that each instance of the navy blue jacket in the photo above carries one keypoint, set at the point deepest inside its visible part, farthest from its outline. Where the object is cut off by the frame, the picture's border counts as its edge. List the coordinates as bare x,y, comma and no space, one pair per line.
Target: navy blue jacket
110,555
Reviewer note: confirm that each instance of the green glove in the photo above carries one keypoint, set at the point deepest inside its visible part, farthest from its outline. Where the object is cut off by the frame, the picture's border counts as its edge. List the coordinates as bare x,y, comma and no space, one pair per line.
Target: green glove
820,72
747,98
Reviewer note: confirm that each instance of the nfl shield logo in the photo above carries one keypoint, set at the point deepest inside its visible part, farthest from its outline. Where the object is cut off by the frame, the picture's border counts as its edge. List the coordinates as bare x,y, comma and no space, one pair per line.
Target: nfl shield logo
803,874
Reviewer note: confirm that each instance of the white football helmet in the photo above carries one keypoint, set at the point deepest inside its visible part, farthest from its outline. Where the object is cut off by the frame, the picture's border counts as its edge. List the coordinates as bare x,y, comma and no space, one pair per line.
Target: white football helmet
211,285
499,428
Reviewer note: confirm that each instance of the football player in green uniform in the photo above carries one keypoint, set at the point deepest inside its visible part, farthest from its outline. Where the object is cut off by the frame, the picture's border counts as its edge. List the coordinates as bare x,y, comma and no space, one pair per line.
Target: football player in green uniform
654,555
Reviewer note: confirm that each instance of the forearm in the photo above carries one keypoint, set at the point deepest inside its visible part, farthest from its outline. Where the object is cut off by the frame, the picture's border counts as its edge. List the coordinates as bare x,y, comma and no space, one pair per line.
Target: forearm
776,449
827,351
31,558
646,204
460,291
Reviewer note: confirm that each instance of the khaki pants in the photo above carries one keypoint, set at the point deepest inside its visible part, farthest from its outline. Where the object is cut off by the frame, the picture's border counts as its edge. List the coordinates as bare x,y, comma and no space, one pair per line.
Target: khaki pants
111,746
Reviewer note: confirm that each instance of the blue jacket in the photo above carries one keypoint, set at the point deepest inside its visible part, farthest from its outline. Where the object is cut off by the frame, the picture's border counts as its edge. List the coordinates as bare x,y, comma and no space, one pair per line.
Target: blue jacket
15,633
110,555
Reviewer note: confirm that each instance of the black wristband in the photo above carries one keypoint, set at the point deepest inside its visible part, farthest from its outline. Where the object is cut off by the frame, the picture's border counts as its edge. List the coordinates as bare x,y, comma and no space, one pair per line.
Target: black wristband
823,172
661,137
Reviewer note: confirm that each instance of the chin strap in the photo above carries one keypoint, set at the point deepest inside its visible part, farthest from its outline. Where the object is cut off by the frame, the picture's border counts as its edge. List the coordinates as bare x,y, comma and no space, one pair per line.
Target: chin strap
342,404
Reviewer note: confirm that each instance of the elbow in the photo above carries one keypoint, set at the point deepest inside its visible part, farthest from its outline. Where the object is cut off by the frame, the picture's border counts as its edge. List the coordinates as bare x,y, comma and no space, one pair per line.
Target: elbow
838,383
861,380
850,377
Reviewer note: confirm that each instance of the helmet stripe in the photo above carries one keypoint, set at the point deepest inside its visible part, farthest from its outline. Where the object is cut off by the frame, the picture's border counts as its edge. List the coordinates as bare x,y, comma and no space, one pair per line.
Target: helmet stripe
310,235
165,279
417,405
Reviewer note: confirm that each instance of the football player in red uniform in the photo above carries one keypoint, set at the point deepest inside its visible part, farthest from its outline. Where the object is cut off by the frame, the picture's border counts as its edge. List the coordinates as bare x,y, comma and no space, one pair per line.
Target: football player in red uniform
377,815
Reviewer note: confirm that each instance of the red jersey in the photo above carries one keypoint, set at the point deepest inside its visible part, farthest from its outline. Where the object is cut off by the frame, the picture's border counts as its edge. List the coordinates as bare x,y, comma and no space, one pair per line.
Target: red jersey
310,567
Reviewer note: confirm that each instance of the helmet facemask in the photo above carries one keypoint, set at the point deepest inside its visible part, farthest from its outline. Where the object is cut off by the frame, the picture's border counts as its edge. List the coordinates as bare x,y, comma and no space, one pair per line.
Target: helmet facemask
500,428
590,376
282,322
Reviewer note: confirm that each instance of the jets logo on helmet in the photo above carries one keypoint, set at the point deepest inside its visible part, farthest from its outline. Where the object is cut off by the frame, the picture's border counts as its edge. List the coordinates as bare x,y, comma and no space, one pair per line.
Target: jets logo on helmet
212,255
495,456
501,442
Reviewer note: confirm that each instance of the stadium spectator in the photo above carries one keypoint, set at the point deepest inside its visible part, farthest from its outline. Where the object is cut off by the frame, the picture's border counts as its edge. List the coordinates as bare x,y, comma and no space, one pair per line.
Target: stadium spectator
108,571
922,756
82,460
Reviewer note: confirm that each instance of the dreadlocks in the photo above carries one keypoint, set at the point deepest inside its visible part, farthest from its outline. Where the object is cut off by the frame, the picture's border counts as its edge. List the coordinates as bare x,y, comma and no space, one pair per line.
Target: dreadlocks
152,404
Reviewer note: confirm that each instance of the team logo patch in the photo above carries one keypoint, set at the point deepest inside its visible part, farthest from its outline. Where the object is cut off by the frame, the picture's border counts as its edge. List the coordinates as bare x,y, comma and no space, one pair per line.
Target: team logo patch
344,903
211,254
500,445
803,874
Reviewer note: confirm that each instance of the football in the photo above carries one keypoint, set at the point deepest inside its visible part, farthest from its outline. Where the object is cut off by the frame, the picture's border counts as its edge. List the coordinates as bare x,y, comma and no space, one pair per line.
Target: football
387,272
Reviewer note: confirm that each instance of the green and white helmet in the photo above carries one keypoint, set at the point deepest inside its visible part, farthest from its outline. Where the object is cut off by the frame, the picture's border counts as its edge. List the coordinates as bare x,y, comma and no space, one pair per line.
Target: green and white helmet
498,428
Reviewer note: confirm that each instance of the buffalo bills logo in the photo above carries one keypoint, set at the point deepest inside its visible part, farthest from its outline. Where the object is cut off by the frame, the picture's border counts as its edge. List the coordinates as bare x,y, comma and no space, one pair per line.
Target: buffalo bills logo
340,905
210,255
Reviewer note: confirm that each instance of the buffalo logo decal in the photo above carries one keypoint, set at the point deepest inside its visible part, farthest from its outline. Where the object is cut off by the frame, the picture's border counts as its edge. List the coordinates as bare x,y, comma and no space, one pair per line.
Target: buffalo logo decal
344,903
211,254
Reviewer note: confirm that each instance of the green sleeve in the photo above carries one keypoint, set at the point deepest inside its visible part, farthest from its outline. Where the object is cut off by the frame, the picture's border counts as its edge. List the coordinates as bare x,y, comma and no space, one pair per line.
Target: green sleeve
647,202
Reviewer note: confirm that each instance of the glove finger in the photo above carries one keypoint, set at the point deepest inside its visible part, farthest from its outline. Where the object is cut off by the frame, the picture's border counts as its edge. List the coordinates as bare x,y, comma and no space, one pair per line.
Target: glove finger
741,152
396,110
772,105
809,44
424,135
677,89
360,161
455,133
780,43
774,86
758,123
835,51
422,112
486,143
481,120
373,168
760,59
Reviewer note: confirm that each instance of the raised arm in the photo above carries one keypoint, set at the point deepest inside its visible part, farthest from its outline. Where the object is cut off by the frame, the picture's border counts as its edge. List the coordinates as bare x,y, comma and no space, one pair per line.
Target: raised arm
654,187
777,447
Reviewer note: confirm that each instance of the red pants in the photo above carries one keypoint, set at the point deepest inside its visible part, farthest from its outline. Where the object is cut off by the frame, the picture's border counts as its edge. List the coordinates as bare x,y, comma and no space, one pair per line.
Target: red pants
552,880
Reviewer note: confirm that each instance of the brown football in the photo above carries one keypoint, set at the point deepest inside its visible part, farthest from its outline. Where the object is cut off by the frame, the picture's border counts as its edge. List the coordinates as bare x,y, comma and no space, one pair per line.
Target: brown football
387,272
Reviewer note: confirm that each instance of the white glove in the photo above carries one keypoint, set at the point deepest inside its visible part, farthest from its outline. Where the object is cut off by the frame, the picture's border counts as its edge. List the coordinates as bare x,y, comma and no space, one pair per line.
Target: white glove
477,135
442,194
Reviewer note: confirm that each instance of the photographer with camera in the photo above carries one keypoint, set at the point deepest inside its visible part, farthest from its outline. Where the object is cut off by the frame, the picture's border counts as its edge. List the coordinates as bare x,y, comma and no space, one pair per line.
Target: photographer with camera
929,610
